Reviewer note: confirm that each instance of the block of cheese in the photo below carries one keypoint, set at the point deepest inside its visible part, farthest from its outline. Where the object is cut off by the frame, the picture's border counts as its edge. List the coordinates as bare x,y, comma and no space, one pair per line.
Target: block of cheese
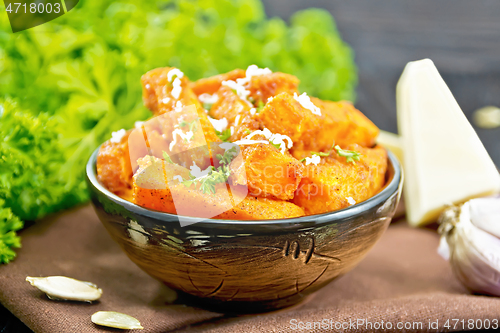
392,142
445,161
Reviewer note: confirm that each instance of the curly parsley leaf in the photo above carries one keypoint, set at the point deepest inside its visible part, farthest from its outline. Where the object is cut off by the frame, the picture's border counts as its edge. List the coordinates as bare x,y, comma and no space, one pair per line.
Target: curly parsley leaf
9,224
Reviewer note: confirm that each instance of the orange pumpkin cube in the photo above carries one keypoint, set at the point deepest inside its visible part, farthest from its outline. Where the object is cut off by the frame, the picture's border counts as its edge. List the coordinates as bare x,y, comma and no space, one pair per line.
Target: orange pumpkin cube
335,183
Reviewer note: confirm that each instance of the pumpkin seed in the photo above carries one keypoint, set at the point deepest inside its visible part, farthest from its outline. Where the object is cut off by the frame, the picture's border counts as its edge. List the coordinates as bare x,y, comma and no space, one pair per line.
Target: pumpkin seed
115,320
67,289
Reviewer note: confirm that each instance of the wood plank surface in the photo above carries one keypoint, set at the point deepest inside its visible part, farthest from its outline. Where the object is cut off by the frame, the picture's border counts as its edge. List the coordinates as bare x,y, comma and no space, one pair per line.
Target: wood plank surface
462,37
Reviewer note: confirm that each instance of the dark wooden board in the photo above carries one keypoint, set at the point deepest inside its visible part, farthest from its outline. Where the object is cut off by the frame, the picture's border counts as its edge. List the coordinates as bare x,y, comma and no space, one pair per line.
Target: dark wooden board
462,37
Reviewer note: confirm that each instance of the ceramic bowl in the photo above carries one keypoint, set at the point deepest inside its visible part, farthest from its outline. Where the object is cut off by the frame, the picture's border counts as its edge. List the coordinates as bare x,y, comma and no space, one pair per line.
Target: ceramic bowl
247,266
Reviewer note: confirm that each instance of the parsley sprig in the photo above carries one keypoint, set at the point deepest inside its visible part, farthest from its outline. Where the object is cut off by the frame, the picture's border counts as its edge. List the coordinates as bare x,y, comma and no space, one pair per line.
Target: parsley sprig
224,135
319,153
220,175
350,155
192,124
167,158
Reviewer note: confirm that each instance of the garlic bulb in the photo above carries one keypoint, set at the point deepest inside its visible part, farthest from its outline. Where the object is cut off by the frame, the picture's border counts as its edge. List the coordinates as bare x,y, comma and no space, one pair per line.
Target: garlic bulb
470,240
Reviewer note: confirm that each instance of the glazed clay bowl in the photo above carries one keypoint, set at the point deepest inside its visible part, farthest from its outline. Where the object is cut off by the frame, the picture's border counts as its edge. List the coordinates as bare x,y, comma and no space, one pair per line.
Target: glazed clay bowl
246,266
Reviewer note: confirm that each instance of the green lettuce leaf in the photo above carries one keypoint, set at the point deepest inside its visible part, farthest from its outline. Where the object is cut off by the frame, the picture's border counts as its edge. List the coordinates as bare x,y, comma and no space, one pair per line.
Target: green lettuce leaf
9,224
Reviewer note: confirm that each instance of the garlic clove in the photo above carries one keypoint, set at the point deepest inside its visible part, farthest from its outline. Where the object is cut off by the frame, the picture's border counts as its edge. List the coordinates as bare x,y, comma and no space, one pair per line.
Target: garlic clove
485,214
64,288
472,261
116,320
473,249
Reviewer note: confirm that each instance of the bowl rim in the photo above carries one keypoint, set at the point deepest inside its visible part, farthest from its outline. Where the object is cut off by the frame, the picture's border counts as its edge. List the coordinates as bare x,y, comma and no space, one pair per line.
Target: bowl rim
347,213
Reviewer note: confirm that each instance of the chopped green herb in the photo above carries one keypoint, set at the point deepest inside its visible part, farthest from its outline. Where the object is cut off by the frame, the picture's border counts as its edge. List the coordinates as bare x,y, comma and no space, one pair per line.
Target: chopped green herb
228,156
192,124
320,153
215,176
260,106
224,135
207,106
275,145
167,158
350,155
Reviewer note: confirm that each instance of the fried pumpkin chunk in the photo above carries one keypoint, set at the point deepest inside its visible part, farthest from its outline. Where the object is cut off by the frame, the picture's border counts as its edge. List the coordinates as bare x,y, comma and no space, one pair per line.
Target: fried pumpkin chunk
238,113
348,124
210,85
268,172
256,208
262,87
336,184
284,115
158,96
339,123
113,166
158,93
155,188
229,106
151,183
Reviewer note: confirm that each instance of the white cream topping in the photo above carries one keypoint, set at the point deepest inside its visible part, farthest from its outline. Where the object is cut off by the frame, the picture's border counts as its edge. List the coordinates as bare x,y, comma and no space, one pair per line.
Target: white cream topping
219,124
138,124
177,88
315,159
179,178
237,120
305,101
277,139
249,142
178,132
174,72
116,137
253,70
209,99
240,90
178,106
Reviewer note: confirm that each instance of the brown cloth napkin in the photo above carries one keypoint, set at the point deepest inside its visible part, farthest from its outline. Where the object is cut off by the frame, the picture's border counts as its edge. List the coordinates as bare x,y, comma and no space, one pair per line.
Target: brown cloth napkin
402,281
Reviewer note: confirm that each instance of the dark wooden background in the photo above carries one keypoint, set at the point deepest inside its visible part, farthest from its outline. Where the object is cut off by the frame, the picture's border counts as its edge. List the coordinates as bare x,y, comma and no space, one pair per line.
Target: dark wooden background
462,37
